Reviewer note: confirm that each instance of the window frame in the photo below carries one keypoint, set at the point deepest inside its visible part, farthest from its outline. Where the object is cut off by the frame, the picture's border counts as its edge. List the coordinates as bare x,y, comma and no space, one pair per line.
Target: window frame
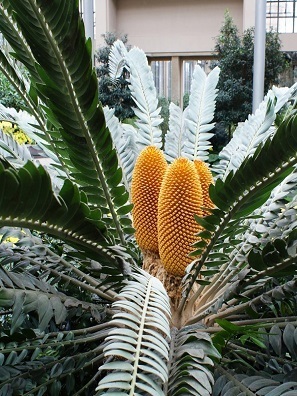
278,15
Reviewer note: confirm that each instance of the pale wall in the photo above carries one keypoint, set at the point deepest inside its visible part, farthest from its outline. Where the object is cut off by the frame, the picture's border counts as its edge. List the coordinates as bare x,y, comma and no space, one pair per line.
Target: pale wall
172,26
249,9
289,41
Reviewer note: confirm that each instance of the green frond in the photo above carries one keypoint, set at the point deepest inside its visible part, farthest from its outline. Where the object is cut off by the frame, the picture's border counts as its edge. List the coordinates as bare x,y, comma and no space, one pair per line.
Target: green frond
137,347
199,114
72,104
191,366
12,150
27,254
38,363
253,132
65,216
13,35
269,370
244,191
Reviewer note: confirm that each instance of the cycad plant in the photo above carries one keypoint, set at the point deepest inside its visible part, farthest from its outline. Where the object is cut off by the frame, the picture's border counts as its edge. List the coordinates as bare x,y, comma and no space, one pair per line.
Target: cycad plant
208,307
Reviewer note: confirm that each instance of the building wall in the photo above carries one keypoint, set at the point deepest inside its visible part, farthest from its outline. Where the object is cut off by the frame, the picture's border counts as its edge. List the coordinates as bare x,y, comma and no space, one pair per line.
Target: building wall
174,26
175,30
170,26
289,41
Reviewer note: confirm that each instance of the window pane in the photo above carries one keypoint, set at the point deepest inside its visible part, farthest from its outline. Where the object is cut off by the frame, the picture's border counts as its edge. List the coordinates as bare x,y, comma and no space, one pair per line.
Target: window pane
272,8
286,9
271,23
285,25
162,77
280,15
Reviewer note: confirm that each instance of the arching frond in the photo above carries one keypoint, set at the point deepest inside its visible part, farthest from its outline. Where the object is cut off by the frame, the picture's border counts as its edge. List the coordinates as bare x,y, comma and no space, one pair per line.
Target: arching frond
275,219
9,148
199,114
144,94
116,61
13,34
65,215
270,368
255,130
234,202
174,137
191,364
124,137
247,385
137,348
74,107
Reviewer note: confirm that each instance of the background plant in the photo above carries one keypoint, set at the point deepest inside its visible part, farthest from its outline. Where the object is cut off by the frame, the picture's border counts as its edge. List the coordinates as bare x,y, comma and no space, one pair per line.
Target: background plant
235,56
9,97
117,95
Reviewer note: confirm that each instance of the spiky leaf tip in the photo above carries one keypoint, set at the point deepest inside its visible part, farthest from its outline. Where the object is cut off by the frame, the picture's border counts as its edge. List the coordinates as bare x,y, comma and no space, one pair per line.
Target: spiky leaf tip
180,199
149,171
206,180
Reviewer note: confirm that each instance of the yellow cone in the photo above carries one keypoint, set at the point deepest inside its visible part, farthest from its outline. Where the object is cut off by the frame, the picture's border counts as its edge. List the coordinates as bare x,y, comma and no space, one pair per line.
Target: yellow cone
146,182
180,198
205,179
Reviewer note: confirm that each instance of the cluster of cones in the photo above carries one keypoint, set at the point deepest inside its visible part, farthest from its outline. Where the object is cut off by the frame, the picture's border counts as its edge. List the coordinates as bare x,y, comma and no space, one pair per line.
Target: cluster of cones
166,198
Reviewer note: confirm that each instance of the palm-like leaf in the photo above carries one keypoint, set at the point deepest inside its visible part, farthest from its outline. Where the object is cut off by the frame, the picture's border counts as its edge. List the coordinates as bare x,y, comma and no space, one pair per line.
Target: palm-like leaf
86,135
144,94
124,137
174,137
256,129
269,373
138,345
10,148
189,130
142,89
191,363
235,201
197,122
117,60
65,215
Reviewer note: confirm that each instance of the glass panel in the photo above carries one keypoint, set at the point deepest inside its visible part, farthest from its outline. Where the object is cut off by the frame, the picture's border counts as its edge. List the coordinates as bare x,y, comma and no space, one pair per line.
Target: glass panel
286,9
285,25
162,77
272,8
272,23
295,25
280,15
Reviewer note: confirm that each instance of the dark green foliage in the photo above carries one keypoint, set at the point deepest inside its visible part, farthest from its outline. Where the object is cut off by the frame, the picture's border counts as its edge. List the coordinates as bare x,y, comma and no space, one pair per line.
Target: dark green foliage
164,113
235,56
8,95
116,96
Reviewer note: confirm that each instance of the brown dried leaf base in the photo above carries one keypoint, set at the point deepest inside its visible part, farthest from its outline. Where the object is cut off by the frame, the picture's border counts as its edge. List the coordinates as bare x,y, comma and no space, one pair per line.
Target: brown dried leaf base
153,265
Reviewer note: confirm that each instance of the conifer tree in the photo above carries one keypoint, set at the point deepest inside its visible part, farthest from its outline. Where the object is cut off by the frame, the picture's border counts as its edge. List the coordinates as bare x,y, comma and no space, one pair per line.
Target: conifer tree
235,55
